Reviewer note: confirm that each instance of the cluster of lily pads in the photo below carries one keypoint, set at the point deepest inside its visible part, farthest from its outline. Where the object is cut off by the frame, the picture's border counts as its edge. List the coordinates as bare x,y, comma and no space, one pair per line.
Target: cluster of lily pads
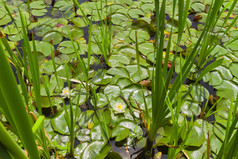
123,92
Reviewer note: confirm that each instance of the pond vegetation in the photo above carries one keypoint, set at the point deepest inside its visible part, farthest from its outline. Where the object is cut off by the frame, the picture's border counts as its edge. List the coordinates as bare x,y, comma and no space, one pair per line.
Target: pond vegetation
118,79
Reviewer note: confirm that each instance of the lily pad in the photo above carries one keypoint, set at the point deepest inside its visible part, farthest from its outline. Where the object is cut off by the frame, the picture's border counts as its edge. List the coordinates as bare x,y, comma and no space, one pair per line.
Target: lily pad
39,12
136,75
37,5
118,18
92,150
53,36
234,69
196,137
59,122
227,89
118,60
135,13
112,92
74,32
66,47
191,108
141,35
118,71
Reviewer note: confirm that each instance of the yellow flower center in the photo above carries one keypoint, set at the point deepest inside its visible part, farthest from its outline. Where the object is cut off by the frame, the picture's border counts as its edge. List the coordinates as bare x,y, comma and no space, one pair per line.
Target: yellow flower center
66,91
119,106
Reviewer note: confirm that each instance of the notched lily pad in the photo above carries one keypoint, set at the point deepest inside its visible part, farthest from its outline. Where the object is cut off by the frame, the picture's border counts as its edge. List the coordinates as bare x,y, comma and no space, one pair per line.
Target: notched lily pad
53,36
67,47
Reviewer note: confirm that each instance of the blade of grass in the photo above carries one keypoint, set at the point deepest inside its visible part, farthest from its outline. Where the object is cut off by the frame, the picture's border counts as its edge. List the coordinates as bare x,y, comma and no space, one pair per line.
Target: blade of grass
16,107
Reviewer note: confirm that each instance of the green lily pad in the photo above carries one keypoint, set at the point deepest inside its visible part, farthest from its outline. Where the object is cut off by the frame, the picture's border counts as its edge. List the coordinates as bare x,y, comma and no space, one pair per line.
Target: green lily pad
134,129
128,51
66,47
126,91
233,67
101,78
141,35
53,36
85,118
215,143
74,32
136,99
79,149
2,14
60,141
198,93
146,48
62,59
37,5
97,133
118,71
225,72
198,7
39,12
123,82
82,98
118,18
48,67
164,134
92,150
61,71
136,75
191,108
227,89
118,60
44,47
112,92
147,8
220,131
197,152
102,100
11,30
135,13
42,29
128,2
79,21
5,20
59,121
121,133
196,137
216,79
83,135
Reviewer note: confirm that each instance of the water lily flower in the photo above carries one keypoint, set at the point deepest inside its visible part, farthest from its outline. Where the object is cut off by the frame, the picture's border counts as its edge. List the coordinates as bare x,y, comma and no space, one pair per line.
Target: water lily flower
119,107
66,93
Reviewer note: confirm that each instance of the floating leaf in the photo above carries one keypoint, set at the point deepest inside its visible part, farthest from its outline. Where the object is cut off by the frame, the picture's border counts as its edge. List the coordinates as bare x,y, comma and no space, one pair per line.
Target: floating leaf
118,71
66,47
118,18
92,150
196,137
191,108
146,48
118,60
141,35
37,5
83,135
39,12
112,92
59,122
227,89
135,13
53,36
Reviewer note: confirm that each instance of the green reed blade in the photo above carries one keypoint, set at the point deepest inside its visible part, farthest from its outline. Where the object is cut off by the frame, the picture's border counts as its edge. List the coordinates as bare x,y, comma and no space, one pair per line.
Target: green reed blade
16,107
